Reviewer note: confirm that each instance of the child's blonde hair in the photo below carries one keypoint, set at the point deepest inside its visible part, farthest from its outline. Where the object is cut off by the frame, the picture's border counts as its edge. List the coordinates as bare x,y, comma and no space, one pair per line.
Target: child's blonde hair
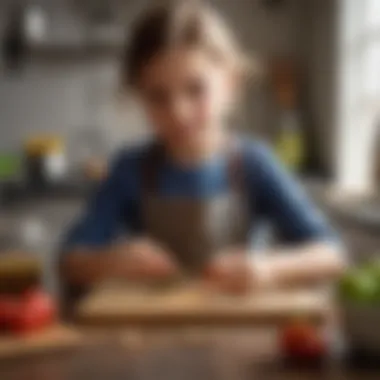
177,24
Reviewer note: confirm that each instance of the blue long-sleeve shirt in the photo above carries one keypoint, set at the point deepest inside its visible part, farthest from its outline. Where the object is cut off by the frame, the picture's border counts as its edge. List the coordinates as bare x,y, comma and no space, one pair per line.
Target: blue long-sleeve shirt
274,196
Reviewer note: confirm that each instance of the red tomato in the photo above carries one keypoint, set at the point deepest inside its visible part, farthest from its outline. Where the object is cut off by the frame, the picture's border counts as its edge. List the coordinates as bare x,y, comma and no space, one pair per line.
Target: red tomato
315,348
302,340
37,299
37,311
10,308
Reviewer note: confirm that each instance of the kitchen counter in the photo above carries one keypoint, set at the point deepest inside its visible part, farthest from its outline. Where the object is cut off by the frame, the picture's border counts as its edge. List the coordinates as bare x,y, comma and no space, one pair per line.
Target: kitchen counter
15,194
357,211
176,359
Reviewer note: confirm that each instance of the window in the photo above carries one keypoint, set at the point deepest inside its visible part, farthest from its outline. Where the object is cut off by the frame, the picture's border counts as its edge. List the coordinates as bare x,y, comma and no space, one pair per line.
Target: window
358,92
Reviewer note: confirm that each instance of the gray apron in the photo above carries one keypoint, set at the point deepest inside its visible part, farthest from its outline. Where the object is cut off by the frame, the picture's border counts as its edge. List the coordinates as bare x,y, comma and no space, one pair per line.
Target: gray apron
194,230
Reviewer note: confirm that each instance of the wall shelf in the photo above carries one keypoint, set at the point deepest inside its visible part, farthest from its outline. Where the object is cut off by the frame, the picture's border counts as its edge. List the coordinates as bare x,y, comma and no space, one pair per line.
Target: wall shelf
73,52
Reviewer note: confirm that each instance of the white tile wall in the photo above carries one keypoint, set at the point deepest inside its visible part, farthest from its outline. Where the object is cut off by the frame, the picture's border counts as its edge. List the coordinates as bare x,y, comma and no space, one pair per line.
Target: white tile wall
65,97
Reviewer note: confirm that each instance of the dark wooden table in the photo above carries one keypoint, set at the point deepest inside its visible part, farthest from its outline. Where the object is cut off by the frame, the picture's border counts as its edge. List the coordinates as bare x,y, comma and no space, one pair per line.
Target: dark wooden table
221,359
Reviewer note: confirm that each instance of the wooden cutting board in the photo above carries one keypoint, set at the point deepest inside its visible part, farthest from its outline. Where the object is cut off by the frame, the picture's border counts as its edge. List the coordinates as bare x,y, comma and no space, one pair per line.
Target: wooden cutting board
118,304
55,338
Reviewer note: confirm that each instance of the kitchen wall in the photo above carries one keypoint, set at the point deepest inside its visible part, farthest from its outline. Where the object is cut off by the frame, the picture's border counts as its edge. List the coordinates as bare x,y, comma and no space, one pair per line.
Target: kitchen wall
69,95
61,97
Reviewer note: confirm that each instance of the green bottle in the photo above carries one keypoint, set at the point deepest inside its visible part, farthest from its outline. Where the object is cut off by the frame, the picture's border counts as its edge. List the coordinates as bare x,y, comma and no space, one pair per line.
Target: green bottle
289,143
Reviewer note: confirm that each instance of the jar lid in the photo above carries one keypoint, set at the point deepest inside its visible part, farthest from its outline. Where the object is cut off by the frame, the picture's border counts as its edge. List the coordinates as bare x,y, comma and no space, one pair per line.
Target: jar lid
42,145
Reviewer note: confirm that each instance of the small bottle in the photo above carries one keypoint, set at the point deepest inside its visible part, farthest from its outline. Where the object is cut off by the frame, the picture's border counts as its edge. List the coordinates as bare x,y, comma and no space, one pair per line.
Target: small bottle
289,144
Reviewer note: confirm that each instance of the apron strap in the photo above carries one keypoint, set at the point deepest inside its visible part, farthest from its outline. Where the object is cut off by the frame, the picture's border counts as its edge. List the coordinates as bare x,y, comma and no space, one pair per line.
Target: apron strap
155,159
152,163
235,168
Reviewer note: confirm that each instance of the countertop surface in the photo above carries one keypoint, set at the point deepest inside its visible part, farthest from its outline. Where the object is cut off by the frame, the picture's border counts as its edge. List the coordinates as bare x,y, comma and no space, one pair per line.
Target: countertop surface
220,359
362,211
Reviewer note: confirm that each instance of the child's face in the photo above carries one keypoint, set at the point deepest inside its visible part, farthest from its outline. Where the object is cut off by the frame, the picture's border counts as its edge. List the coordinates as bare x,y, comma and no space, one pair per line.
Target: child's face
186,95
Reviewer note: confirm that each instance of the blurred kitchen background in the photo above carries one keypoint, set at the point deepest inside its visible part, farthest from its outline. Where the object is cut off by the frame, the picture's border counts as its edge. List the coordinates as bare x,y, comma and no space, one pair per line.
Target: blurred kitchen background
61,116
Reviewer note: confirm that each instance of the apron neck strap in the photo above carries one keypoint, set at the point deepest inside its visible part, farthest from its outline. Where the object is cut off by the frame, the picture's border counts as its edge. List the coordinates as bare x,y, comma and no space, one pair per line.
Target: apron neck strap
235,166
152,163
156,157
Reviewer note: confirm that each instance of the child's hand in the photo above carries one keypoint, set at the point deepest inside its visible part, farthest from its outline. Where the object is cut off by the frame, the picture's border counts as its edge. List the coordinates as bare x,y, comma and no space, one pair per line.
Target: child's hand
231,271
144,259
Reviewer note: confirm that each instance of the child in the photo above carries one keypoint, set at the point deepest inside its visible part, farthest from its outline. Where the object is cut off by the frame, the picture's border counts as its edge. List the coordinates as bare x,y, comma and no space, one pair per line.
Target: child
191,198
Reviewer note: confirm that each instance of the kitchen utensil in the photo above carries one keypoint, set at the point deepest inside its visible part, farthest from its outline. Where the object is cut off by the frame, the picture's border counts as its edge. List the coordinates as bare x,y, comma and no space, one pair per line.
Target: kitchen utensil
14,44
